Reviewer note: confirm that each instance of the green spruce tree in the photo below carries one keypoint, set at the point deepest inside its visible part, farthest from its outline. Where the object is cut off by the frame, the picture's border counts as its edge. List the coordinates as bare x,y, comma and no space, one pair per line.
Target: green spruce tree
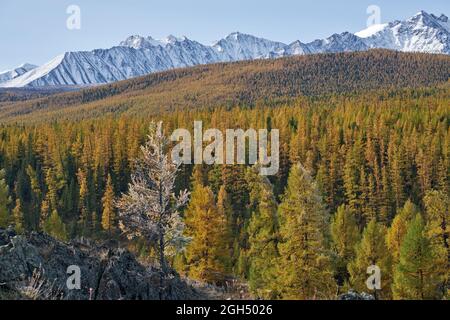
345,235
55,227
304,267
415,276
5,200
207,255
263,236
18,217
398,229
372,251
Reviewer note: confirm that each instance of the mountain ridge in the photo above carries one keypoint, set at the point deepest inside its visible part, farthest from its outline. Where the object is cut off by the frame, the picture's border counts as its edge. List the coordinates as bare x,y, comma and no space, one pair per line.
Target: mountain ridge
138,55
239,83
8,75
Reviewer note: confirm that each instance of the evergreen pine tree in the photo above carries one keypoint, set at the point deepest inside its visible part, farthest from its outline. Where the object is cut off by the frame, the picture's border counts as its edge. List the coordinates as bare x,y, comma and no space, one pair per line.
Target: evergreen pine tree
398,229
415,276
83,201
233,178
94,223
52,189
438,217
386,204
263,236
372,251
437,204
18,217
5,200
55,227
226,210
345,236
304,268
109,213
36,197
207,256
44,213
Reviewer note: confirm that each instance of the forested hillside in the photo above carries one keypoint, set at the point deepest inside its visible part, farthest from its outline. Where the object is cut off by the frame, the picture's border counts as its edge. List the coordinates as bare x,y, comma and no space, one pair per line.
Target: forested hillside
23,94
242,83
370,161
364,175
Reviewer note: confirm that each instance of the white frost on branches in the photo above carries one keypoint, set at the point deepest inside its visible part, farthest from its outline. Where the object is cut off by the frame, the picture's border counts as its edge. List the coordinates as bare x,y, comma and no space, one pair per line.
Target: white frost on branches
150,208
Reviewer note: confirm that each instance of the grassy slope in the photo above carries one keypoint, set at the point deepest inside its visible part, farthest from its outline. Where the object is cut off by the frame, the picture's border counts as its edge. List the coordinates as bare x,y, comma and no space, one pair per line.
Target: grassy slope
239,83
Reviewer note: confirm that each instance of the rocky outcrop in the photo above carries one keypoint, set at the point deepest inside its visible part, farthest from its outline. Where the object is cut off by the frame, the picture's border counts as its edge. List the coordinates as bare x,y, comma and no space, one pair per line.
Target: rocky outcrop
353,295
107,271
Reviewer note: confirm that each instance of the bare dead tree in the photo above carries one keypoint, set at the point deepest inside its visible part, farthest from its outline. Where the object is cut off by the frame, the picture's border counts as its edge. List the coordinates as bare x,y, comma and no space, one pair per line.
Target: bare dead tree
150,208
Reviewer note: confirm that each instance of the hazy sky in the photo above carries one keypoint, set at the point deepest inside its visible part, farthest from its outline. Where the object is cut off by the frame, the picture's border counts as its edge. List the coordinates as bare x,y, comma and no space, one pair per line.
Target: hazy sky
35,31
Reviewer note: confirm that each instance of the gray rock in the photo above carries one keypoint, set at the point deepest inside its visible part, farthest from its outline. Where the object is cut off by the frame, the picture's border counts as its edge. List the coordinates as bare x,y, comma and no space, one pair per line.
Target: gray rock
353,295
107,273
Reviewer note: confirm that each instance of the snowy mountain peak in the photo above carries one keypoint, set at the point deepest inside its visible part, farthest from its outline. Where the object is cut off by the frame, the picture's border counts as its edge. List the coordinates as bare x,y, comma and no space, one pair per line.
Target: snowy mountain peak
421,13
423,32
171,39
442,18
423,18
136,42
424,14
16,72
297,48
27,66
237,35
139,42
35,74
342,42
370,31
138,55
240,46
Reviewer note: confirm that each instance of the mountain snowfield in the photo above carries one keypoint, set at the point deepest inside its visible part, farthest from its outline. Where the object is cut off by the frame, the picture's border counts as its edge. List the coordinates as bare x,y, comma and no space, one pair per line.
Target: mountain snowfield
137,55
20,70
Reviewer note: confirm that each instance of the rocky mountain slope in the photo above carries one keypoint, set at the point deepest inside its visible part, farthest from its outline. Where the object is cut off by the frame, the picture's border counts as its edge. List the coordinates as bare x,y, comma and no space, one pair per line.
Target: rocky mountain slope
137,55
34,266
16,72
238,83
422,33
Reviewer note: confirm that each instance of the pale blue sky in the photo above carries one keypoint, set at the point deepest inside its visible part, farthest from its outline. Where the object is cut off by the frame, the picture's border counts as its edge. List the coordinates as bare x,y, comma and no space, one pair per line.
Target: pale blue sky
35,31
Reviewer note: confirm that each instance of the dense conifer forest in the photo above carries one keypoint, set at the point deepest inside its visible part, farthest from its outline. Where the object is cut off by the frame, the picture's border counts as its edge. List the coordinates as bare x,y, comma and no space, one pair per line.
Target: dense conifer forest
364,173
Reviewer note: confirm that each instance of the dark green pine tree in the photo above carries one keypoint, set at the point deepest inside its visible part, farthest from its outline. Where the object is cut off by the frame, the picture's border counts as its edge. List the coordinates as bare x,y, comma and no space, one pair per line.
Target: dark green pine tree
55,227
372,251
5,200
345,236
304,267
263,236
415,276
18,217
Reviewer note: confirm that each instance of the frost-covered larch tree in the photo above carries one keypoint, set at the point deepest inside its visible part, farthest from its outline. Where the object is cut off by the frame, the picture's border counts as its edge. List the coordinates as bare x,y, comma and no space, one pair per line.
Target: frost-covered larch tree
149,209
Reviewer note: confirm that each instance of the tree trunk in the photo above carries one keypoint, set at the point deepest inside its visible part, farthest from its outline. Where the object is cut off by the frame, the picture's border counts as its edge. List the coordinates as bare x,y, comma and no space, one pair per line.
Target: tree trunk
162,258
162,262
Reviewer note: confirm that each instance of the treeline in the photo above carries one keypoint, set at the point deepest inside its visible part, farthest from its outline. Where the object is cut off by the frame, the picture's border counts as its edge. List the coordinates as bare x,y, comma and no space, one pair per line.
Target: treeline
8,95
372,189
242,83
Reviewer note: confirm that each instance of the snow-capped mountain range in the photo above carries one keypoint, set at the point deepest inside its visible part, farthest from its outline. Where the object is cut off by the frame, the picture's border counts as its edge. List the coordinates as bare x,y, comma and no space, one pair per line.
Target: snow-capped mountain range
137,56
20,70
